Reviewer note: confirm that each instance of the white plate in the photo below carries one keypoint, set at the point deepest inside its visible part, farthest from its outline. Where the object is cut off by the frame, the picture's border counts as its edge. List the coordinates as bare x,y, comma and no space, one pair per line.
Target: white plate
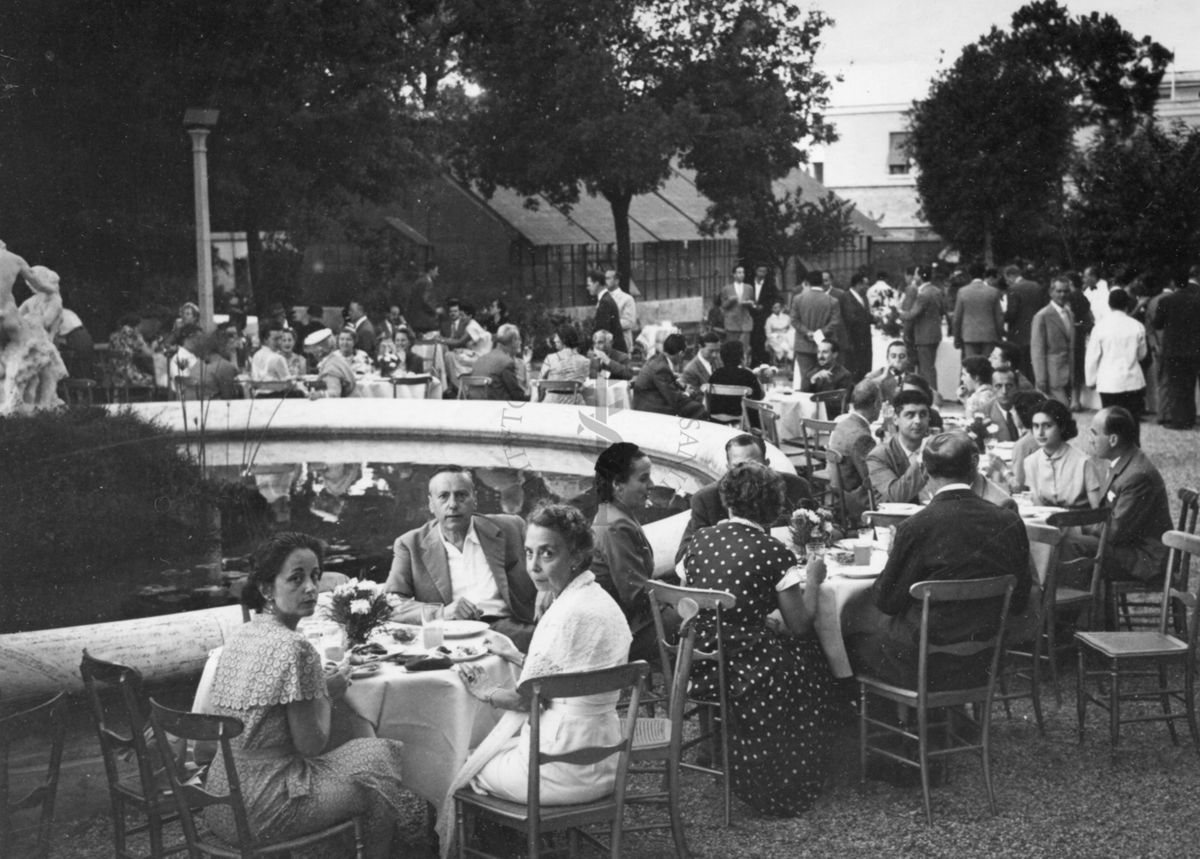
899,508
463,628
362,672
1035,512
855,572
466,653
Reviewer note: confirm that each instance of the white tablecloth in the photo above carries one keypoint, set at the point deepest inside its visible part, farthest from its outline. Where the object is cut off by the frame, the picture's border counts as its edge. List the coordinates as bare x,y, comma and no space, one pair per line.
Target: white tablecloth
380,388
792,407
613,395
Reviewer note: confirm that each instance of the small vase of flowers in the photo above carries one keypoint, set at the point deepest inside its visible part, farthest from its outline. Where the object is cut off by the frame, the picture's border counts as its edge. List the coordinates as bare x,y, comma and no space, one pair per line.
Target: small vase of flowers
811,530
361,607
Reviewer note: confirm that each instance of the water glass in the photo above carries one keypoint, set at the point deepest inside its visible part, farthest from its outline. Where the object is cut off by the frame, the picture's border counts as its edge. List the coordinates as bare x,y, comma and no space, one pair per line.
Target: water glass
432,629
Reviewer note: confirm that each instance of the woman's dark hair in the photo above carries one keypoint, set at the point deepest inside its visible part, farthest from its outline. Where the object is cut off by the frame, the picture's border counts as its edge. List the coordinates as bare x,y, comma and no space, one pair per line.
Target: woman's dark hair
732,353
131,320
566,521
1027,404
615,465
978,368
268,560
918,382
753,491
569,336
1061,416
674,344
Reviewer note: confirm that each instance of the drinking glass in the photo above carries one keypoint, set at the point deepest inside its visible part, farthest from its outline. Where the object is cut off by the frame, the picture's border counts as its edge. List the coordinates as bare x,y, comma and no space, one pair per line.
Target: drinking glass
432,630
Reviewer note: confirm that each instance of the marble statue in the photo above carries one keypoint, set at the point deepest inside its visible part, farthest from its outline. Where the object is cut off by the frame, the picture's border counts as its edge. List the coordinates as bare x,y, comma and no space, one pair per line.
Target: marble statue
30,366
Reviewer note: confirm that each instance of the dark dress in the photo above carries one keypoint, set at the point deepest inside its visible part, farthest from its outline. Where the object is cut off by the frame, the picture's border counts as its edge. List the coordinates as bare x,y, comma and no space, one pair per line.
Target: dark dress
780,687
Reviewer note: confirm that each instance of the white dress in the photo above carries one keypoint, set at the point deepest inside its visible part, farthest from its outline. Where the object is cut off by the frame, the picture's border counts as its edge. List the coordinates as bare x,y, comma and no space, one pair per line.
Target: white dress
781,337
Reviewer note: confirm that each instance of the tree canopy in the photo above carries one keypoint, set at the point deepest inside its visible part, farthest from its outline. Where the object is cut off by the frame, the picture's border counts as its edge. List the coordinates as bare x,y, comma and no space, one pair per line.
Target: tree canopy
994,138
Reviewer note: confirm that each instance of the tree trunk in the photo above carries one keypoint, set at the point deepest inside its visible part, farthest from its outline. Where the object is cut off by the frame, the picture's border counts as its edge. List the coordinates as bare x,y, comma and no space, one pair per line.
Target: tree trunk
619,202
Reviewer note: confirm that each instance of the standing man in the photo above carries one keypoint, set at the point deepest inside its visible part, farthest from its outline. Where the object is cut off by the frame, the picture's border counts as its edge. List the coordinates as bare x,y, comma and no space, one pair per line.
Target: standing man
1178,317
1052,343
608,315
1081,310
856,320
765,295
1025,299
978,318
925,315
421,310
1095,290
625,304
738,307
364,331
816,318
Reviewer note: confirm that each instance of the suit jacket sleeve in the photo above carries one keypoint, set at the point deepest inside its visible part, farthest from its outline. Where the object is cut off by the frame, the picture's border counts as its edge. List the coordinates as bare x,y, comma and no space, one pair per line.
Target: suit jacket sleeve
522,593
510,383
618,555
834,324
400,581
664,383
899,574
890,486
702,516
1037,349
1133,506
618,366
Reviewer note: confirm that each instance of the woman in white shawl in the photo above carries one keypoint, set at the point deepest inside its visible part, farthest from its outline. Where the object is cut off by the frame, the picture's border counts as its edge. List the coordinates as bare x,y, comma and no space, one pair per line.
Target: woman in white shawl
582,630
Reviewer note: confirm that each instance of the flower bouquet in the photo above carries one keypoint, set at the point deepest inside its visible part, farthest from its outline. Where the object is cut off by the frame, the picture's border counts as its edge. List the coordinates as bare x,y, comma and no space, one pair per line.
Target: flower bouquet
983,433
360,607
811,529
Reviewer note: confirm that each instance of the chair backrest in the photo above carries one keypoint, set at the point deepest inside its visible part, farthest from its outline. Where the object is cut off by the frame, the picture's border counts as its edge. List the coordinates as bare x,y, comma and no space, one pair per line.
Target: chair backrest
1182,546
190,798
710,390
768,420
837,488
662,594
474,387
121,726
48,717
1180,565
626,679
271,387
1045,547
568,387
836,397
411,382
1098,518
816,435
930,593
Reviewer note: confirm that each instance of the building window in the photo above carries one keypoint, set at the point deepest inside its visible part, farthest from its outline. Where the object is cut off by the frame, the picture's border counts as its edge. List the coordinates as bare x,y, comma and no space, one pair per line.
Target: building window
818,171
899,163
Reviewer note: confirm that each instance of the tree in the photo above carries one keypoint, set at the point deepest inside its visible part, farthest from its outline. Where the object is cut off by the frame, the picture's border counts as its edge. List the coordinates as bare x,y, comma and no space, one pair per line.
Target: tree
1135,198
994,137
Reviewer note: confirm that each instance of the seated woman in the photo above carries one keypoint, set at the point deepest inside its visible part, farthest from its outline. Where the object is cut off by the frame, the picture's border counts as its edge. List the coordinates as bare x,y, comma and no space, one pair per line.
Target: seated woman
1026,404
780,688
731,372
359,360
582,630
407,361
975,391
1060,474
565,364
297,364
622,560
131,360
269,676
781,336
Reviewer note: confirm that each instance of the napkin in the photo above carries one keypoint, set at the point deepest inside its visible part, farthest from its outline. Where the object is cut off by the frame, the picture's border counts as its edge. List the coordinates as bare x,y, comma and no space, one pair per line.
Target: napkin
429,663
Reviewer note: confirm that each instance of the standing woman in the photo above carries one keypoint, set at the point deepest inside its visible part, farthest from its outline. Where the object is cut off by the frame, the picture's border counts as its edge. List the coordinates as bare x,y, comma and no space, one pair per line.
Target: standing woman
780,688
269,676
623,560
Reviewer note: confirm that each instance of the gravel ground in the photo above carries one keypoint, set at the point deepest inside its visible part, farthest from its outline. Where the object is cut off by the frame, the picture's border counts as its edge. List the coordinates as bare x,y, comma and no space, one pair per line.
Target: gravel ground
1056,798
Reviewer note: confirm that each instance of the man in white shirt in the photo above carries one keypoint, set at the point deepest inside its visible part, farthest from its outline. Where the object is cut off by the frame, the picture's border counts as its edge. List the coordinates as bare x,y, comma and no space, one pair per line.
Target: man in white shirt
185,357
1112,363
472,567
626,306
268,365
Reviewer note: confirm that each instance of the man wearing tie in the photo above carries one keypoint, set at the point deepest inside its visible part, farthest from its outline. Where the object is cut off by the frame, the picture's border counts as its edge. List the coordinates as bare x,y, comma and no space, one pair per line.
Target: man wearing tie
1003,413
1052,344
738,306
765,295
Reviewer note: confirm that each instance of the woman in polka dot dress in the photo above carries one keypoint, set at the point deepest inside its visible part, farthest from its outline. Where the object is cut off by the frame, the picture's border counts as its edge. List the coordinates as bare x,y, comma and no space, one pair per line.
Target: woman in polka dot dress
780,688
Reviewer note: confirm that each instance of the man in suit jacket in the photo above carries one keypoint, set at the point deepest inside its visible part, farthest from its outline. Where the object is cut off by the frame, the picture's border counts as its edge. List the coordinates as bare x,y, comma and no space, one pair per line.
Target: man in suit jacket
830,375
500,366
815,316
471,566
655,388
894,465
853,438
1178,317
1003,412
697,371
925,316
856,321
978,318
738,307
1052,344
364,331
1137,495
890,378
608,316
1025,299
707,508
605,357
765,294
957,536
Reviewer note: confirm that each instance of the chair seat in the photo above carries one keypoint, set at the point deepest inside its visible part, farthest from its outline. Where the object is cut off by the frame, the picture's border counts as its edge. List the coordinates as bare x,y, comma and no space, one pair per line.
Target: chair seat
1133,644
552,816
1071,596
945,698
822,474
725,419
214,846
651,735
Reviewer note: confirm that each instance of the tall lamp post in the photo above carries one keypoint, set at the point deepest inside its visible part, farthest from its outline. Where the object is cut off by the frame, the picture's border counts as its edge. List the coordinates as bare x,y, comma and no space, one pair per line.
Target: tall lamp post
199,122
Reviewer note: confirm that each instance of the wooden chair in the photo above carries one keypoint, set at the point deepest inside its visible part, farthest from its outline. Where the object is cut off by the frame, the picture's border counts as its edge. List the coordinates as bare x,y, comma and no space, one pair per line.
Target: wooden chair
766,422
399,382
709,390
572,388
79,392
837,491
714,715
531,817
1044,548
815,444
659,742
977,736
834,401
189,798
1118,649
1142,611
49,717
1086,603
124,735
474,388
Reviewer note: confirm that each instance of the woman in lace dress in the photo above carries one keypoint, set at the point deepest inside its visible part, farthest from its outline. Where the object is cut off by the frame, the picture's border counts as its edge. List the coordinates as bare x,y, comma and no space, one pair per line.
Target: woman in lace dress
582,630
565,363
270,677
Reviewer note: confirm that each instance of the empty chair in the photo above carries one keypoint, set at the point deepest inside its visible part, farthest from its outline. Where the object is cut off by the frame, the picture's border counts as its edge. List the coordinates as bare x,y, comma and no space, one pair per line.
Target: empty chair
121,727
761,420
201,728
533,819
47,718
568,391
418,384
976,734
1124,655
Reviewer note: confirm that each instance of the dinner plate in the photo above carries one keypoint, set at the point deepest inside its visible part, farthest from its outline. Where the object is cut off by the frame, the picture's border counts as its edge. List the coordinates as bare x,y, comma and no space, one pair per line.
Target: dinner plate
899,507
362,672
469,656
463,628
855,572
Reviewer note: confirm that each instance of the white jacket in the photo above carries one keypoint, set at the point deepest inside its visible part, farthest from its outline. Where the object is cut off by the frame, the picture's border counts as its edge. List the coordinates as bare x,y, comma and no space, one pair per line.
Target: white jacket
1116,346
